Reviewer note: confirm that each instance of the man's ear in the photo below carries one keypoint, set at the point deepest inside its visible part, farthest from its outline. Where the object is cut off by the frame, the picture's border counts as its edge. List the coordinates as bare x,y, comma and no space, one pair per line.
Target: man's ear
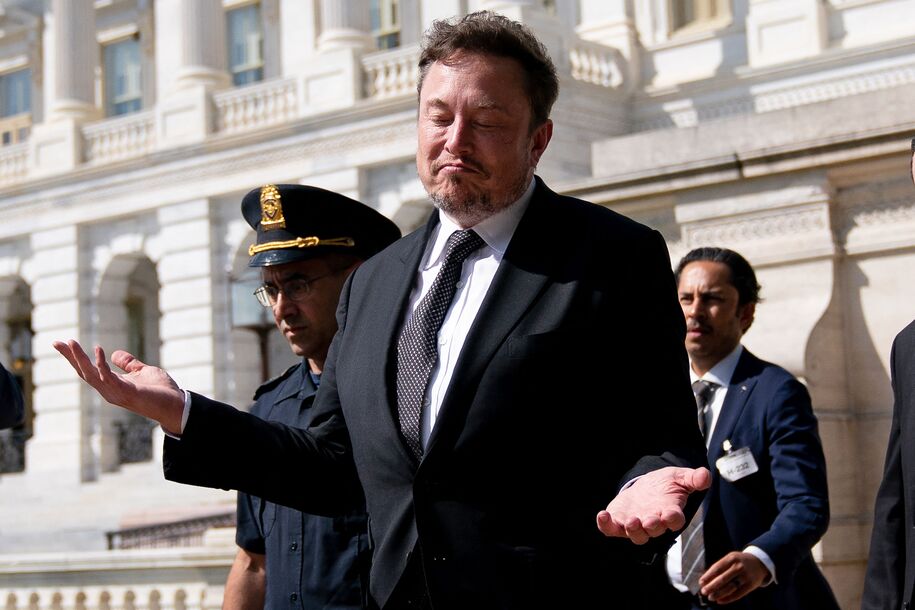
746,313
539,141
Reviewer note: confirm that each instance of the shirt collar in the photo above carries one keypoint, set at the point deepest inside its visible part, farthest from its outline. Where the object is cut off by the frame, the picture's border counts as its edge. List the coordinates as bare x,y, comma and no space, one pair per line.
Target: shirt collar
496,231
722,372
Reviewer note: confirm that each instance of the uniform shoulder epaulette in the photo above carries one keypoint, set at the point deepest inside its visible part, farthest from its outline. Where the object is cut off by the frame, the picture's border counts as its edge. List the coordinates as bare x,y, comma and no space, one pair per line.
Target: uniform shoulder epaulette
272,383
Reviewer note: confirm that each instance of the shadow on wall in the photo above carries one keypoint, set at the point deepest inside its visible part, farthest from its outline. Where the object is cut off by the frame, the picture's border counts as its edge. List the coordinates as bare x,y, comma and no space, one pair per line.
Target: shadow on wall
852,398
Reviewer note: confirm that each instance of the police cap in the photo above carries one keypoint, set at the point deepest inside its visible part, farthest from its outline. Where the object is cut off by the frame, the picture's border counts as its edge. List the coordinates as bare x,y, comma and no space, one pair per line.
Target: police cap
295,222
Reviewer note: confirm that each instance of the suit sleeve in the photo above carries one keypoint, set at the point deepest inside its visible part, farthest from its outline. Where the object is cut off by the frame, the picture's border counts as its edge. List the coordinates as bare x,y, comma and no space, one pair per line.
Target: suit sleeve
798,469
883,582
310,470
663,430
11,404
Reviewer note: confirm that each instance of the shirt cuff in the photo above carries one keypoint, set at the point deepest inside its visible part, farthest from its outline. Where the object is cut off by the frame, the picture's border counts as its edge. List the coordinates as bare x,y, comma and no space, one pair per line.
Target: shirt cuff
184,415
761,555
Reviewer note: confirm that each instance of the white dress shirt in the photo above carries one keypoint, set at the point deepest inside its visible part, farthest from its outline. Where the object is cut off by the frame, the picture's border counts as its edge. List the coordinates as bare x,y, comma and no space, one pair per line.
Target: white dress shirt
476,277
720,374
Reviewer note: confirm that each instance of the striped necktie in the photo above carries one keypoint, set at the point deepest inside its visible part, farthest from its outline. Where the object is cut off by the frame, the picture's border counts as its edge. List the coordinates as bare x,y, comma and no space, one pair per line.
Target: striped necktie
692,540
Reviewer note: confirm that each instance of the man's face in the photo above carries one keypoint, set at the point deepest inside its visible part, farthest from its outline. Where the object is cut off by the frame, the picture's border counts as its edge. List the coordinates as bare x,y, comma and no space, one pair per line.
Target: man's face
308,324
476,152
715,321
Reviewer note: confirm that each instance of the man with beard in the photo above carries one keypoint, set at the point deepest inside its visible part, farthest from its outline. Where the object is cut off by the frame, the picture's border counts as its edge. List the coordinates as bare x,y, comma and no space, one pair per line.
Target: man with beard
749,546
488,390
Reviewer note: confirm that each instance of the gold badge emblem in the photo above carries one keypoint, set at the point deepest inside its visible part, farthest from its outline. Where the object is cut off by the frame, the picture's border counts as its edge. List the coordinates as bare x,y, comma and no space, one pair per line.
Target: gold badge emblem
271,208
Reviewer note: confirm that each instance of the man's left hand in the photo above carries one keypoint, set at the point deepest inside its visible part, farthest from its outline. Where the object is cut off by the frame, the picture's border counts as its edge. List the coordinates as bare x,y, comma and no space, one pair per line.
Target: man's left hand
732,577
653,504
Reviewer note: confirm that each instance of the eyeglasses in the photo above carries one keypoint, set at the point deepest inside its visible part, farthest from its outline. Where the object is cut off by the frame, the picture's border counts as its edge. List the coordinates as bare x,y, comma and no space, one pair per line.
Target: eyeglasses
296,290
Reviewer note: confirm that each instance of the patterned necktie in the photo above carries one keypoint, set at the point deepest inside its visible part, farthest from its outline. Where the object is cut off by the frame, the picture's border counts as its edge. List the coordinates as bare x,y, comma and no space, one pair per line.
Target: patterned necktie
692,541
417,349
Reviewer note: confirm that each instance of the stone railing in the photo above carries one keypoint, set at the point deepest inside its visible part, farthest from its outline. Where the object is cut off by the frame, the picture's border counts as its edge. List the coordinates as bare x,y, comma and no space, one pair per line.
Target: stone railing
15,129
258,105
14,163
597,64
391,73
125,137
150,579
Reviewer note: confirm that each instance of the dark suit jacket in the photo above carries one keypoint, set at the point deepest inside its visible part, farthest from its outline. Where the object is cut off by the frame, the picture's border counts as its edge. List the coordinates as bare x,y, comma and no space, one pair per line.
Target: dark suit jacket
505,498
784,507
890,574
11,406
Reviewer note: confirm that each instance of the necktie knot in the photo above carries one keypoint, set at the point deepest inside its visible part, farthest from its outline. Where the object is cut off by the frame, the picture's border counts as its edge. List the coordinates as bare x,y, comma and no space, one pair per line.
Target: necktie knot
461,244
704,390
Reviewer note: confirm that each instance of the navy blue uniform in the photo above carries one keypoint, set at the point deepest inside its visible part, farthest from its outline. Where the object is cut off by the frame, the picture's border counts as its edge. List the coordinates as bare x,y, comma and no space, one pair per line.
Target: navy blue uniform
312,562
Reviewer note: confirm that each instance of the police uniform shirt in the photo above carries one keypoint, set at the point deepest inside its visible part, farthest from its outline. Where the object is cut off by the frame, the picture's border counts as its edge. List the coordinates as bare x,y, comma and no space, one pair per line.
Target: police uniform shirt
312,562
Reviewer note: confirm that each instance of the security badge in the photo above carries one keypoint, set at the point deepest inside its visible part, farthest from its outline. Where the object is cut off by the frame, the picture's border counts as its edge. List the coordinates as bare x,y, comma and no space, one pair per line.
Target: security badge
271,209
735,464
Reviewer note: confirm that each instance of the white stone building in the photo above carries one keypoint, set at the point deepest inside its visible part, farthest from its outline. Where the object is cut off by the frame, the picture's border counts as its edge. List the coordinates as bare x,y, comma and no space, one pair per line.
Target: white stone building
131,128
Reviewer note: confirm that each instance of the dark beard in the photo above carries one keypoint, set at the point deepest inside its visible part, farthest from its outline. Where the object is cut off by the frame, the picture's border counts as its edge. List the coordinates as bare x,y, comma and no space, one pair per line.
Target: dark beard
474,208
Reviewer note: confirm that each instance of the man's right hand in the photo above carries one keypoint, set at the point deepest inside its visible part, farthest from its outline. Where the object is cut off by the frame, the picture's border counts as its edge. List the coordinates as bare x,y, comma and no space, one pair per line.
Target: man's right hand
146,390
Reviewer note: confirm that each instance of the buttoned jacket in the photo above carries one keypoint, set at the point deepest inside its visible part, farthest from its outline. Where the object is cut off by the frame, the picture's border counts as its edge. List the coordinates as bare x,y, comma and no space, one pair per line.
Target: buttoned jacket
572,380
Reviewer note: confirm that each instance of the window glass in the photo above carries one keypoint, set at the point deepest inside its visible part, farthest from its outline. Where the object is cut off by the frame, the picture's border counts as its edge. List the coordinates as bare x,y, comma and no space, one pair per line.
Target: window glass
123,84
384,18
15,92
697,13
246,42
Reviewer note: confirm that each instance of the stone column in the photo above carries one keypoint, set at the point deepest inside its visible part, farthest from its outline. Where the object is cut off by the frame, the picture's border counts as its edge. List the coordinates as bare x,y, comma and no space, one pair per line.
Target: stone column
203,44
334,78
70,78
190,65
298,34
344,25
186,298
71,53
58,454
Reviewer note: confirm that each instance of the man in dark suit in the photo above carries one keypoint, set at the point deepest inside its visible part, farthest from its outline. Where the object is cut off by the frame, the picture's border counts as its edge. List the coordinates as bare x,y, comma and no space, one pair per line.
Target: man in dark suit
11,405
286,558
489,388
890,580
749,547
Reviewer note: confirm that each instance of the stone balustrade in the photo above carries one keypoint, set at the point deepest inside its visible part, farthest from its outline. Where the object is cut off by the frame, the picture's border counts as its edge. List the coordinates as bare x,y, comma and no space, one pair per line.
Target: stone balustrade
597,64
148,579
119,138
258,105
14,163
391,73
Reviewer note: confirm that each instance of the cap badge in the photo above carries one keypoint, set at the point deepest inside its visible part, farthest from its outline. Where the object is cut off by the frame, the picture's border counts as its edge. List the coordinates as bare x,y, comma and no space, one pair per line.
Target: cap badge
271,209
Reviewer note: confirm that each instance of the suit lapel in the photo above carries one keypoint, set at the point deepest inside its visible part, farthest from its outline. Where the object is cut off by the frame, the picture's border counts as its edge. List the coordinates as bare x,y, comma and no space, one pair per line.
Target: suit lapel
403,270
741,387
522,275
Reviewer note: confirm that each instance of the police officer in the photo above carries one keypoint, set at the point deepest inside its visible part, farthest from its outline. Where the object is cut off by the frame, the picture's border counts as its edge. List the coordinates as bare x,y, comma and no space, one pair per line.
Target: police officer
308,241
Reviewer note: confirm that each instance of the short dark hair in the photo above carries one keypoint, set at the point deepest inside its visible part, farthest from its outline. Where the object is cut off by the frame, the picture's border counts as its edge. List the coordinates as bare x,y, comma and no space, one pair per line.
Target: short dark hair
489,33
743,278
